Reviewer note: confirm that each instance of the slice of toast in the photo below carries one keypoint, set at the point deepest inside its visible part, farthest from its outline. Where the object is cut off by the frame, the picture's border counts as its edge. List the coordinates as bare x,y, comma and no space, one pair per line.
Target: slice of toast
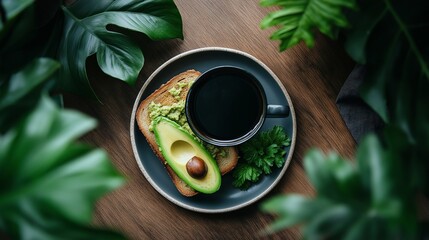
163,96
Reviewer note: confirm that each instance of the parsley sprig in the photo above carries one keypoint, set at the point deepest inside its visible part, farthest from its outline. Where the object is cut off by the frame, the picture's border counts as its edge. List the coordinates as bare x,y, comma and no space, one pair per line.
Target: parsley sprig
259,155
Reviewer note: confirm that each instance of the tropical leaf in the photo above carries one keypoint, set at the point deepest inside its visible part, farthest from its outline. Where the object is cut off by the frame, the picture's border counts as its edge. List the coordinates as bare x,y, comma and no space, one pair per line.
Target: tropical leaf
331,175
377,199
398,37
351,202
86,29
21,83
298,19
11,9
20,92
47,181
291,209
27,33
396,56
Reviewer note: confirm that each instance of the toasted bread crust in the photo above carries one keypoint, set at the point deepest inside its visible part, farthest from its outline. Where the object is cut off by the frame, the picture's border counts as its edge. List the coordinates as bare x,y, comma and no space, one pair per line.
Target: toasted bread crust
162,96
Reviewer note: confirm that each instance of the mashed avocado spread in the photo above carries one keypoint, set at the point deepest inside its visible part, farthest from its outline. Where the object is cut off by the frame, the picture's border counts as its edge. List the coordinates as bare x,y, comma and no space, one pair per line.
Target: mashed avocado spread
176,90
176,113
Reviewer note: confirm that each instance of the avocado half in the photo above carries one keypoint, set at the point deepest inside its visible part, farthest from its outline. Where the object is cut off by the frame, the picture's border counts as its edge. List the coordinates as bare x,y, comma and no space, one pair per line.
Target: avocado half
178,147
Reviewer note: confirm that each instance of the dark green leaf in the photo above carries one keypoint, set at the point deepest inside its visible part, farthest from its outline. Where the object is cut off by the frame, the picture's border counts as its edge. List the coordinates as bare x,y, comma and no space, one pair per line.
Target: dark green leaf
20,92
30,225
330,222
374,90
369,227
369,198
23,82
379,171
28,34
297,20
375,169
393,36
331,175
359,33
378,199
12,10
397,82
118,56
291,210
46,176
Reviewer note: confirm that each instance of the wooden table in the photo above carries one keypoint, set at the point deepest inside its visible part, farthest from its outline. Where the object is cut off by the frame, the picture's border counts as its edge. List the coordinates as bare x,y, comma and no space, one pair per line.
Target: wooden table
313,78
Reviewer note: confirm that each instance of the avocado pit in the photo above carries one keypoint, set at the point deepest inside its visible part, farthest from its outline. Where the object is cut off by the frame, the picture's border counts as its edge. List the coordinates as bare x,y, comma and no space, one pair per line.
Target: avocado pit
196,167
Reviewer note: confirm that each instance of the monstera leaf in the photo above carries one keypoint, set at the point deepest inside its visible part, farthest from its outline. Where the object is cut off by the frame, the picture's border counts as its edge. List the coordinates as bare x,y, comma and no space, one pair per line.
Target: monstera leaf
48,182
366,201
298,19
30,29
87,32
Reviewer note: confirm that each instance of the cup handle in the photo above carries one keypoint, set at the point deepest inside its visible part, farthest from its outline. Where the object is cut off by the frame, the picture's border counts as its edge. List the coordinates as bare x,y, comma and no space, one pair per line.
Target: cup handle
277,111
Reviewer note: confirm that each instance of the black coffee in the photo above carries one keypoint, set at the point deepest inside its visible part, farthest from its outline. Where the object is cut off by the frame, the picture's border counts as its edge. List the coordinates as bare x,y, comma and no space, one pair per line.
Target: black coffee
227,105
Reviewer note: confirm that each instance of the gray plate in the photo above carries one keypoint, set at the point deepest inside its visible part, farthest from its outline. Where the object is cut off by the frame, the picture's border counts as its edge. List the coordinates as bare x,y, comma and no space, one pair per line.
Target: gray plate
227,198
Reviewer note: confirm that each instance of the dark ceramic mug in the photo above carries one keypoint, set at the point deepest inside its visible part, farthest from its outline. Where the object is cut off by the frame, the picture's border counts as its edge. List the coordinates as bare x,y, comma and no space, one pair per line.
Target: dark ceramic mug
227,105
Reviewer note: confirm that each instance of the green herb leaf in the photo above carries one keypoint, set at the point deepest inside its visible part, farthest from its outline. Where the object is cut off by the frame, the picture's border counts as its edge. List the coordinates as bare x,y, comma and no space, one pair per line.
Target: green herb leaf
86,29
297,20
259,155
244,175
47,181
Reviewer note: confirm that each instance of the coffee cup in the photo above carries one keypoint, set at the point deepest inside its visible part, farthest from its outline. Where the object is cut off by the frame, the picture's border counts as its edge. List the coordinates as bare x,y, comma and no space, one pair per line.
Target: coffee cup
227,105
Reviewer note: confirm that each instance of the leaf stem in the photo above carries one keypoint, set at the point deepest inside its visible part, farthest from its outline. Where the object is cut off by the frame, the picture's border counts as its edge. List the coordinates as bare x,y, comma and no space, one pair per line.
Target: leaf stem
409,38
66,11
77,20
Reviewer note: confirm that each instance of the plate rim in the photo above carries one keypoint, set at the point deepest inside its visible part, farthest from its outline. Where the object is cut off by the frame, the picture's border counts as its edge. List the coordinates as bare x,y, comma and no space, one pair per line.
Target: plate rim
153,183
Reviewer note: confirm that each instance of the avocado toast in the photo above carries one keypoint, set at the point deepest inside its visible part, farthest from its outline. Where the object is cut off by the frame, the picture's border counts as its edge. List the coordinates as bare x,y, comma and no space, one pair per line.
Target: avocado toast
168,101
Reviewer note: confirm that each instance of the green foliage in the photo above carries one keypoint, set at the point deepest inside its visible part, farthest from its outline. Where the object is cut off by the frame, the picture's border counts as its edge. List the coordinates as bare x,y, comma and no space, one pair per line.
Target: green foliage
298,19
378,197
73,33
48,183
20,92
392,45
31,29
353,202
259,155
12,10
400,70
86,29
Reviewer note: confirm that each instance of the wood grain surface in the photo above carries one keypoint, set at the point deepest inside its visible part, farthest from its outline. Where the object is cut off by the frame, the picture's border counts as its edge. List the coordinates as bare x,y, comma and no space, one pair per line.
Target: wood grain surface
313,78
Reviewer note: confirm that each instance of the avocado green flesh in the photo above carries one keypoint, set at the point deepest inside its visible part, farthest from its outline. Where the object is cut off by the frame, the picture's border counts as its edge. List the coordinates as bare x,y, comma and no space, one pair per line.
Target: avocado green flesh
178,147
